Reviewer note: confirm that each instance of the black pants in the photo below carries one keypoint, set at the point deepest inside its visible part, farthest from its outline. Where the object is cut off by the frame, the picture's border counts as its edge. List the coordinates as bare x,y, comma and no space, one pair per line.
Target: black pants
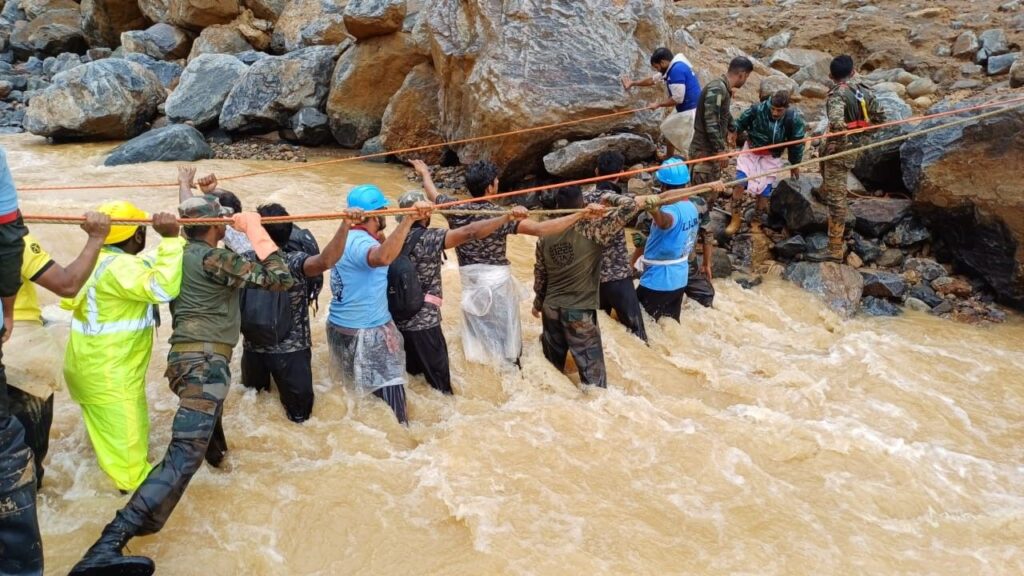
568,330
698,287
426,352
36,417
660,304
21,548
620,295
292,374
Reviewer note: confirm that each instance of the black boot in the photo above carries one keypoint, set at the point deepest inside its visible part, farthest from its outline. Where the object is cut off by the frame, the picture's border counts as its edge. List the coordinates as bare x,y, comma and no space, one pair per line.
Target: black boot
104,558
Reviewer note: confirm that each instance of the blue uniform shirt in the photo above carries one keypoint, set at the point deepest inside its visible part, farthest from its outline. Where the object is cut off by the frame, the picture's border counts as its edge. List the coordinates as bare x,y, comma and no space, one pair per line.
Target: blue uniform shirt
8,194
359,292
680,72
673,243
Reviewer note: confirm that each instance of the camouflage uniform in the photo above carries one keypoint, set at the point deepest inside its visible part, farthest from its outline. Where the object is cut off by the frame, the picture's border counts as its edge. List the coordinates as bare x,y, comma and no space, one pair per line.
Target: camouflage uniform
206,328
844,112
566,284
490,250
713,125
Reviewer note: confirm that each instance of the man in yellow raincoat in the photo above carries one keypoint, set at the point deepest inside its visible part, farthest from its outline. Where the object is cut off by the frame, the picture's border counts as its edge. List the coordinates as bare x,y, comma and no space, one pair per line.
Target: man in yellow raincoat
111,339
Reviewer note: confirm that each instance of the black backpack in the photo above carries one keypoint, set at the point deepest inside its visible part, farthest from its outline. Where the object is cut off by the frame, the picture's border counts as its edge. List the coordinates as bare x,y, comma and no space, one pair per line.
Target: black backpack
266,316
302,240
405,293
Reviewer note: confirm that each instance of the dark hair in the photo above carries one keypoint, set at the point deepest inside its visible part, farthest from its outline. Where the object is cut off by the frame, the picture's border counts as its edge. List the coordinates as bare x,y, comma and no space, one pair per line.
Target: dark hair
781,99
195,232
279,232
569,197
661,54
741,64
841,67
228,200
610,162
479,177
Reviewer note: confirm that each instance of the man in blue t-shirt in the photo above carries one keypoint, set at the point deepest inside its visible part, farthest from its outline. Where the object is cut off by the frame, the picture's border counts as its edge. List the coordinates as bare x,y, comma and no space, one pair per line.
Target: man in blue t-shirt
665,264
683,89
366,346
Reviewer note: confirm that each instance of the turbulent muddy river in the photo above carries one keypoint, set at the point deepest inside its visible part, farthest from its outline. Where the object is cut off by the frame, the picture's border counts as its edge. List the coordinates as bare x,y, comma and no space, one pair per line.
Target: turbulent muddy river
765,436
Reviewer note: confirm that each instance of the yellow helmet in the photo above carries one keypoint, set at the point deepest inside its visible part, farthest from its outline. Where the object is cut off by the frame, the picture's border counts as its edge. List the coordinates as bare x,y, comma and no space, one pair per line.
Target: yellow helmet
118,210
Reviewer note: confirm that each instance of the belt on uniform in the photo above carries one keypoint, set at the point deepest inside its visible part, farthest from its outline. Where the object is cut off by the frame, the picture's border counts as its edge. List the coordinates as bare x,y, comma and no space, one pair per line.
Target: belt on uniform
10,217
204,347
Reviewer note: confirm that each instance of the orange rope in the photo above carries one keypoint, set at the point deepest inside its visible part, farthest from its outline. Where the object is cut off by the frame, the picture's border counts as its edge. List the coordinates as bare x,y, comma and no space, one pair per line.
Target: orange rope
538,128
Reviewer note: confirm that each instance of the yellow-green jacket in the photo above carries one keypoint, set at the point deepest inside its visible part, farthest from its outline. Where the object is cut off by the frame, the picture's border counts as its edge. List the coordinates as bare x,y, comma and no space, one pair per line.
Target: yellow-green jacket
112,323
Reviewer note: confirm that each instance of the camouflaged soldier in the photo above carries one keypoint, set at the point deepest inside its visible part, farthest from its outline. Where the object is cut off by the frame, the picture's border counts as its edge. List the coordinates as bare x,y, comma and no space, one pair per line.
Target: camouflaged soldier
426,350
850,105
566,282
206,328
714,127
617,291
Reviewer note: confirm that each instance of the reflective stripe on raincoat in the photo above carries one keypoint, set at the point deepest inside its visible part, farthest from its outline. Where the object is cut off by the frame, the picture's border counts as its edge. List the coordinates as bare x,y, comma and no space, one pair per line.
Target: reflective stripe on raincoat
113,315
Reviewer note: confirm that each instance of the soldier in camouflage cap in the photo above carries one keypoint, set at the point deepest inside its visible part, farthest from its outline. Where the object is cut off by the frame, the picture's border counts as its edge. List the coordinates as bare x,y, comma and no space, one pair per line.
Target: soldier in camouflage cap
205,206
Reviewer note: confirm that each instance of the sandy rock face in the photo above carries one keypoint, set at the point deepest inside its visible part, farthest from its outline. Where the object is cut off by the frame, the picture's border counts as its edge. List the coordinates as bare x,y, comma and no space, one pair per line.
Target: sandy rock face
368,18
109,99
413,115
49,34
219,39
309,23
160,41
103,21
198,14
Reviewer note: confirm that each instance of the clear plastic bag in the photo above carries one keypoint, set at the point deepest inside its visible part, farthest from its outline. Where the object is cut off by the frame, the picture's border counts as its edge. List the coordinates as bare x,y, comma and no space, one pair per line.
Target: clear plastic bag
367,359
490,302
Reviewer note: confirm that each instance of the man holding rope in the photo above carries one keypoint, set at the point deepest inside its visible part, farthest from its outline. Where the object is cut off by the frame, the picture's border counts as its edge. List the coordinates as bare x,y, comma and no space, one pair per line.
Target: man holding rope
714,129
683,91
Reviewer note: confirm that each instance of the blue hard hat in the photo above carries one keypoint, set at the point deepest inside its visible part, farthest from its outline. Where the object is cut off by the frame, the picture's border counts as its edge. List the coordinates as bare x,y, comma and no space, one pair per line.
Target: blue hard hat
674,173
366,196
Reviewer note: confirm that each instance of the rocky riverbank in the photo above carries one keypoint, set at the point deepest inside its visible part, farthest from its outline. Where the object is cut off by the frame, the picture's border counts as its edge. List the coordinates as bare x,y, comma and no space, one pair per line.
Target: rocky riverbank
189,79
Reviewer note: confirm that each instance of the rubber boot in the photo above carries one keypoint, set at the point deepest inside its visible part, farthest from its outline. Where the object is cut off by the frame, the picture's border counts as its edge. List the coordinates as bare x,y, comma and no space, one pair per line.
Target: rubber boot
105,558
737,218
836,244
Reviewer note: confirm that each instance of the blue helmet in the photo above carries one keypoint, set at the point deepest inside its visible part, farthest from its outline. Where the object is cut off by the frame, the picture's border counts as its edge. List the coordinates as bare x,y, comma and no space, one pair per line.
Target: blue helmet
366,196
674,173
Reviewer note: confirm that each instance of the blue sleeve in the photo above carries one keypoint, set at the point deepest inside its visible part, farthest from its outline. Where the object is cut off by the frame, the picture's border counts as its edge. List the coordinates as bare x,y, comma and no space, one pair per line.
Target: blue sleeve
360,250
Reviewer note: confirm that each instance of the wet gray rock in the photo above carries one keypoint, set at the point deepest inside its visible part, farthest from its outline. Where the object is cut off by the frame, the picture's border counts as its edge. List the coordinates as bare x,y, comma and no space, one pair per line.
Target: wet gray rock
108,99
275,88
791,247
908,232
578,159
879,307
308,126
817,242
160,41
203,88
167,72
881,167
876,216
368,18
174,143
789,61
966,45
794,203
51,33
924,292
1001,64
883,284
993,43
868,250
890,258
374,146
926,268
62,63
840,286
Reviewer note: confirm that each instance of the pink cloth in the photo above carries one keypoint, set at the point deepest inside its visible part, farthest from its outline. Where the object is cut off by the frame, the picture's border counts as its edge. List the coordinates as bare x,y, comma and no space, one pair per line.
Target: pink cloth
754,164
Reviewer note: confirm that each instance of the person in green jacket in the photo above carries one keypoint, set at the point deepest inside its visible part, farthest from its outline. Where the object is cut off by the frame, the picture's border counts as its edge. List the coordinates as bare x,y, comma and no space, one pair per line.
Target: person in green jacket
771,121
206,328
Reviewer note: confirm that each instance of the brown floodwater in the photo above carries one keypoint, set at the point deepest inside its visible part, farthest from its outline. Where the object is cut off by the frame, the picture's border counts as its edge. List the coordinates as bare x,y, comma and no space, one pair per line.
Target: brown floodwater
766,436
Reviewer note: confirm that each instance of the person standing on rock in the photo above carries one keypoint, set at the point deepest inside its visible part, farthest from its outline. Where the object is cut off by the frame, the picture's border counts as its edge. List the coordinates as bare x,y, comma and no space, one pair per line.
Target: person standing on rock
665,264
492,331
769,122
850,105
617,291
683,92
567,275
714,128
206,328
426,350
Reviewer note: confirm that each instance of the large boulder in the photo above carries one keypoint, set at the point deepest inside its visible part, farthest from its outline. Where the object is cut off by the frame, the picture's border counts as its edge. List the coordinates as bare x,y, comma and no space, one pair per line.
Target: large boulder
880,167
219,39
840,286
167,73
578,160
174,143
369,18
776,83
36,8
413,116
103,21
876,216
275,88
198,14
505,66
382,62
308,126
309,23
883,284
794,202
154,10
107,99
203,88
160,41
789,61
51,33
266,9
965,183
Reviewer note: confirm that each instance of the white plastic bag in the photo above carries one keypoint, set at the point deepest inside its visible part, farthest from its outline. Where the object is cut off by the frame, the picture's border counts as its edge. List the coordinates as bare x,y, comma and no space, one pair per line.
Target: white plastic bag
367,359
490,302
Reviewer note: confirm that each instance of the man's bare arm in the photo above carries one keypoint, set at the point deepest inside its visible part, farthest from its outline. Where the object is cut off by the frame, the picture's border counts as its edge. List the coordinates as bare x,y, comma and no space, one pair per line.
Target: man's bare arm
67,281
428,182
